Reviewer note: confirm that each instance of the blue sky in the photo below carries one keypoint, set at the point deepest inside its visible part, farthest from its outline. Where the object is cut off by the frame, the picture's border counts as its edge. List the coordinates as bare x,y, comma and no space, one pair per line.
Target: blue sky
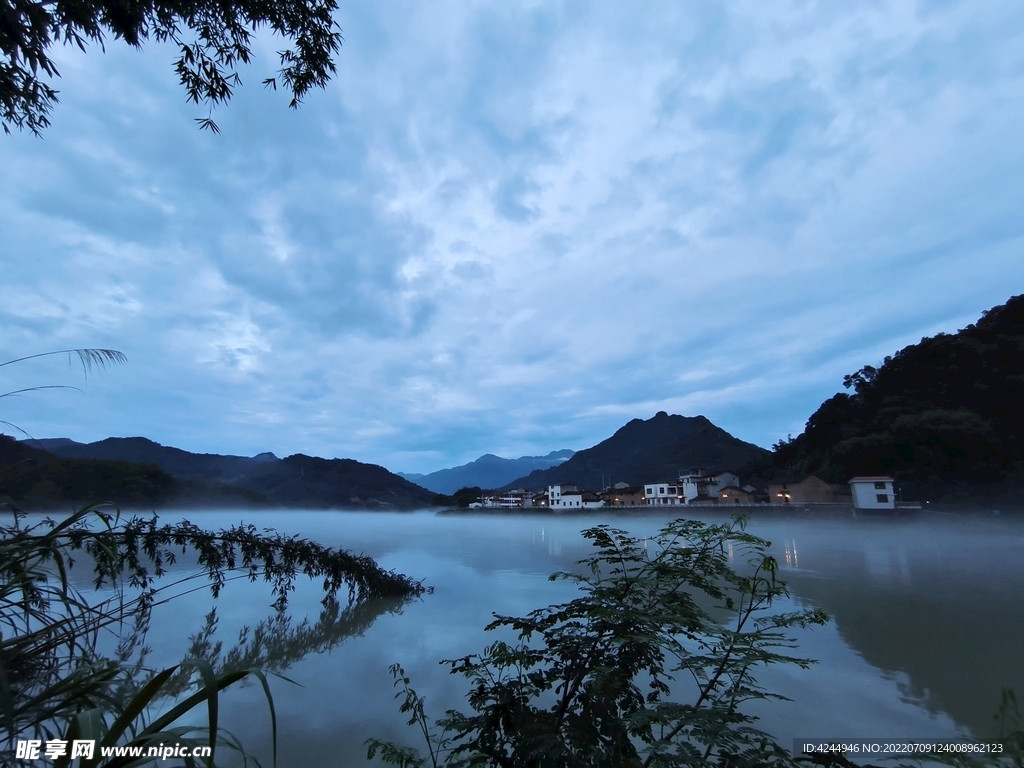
512,227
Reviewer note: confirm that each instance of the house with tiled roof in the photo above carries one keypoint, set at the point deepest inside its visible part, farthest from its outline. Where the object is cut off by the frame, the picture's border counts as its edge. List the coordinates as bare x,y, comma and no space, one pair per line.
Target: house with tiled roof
800,489
699,482
732,494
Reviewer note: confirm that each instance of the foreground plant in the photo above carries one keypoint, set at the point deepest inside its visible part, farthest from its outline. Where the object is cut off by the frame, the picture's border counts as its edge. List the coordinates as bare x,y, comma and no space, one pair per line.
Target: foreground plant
58,683
650,666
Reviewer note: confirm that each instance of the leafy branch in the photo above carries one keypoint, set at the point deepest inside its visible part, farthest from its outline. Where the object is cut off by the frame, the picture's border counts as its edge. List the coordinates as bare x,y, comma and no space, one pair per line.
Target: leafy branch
593,682
54,680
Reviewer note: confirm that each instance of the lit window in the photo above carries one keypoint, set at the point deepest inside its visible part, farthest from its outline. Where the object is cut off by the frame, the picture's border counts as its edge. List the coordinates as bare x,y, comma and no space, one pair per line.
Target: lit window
879,486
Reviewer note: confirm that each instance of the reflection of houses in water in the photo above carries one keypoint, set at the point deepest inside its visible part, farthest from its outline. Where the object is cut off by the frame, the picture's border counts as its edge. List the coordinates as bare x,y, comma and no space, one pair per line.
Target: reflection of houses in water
554,544
790,554
888,564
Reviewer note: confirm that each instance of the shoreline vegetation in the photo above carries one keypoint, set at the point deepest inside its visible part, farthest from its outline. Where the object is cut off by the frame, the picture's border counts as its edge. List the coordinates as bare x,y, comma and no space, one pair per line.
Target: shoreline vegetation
753,511
644,614
57,682
596,682
942,417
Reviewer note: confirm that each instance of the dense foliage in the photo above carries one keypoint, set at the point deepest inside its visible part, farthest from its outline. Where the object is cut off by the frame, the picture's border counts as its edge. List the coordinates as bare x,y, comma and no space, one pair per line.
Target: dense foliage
312,482
30,478
212,39
58,682
135,471
941,416
461,498
650,666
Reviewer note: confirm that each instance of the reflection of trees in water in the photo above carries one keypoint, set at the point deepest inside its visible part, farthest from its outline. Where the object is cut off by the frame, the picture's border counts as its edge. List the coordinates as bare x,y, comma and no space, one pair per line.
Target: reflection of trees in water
944,630
66,651
278,642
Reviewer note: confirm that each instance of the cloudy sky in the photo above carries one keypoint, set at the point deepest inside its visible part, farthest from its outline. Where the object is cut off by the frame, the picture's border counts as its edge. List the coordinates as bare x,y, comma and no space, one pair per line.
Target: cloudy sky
512,227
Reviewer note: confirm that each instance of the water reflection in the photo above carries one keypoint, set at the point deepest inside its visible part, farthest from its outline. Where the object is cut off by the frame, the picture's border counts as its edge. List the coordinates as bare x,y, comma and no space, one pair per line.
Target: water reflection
791,559
927,621
931,603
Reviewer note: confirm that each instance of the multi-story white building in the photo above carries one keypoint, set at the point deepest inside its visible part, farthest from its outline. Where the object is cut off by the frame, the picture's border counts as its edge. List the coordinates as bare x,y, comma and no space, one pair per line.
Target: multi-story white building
510,499
699,482
564,496
662,494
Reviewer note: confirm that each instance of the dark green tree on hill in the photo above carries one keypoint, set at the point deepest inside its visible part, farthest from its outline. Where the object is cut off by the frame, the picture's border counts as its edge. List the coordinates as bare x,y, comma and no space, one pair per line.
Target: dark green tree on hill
941,415
461,498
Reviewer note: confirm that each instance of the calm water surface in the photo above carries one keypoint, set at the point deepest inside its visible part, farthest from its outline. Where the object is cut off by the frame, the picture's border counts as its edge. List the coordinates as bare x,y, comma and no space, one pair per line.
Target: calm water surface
927,621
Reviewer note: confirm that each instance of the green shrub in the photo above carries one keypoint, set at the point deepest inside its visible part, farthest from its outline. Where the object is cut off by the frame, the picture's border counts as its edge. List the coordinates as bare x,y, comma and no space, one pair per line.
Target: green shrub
596,682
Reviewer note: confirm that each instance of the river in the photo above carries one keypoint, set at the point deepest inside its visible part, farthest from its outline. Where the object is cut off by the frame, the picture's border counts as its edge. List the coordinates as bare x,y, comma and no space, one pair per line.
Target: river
926,628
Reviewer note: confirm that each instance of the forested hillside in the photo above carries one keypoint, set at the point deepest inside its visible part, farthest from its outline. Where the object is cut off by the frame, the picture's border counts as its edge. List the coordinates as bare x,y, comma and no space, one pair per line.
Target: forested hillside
138,472
945,416
33,479
648,451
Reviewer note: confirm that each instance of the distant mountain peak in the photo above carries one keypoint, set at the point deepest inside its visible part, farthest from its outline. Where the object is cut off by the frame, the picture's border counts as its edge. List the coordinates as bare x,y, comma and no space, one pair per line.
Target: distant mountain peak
487,471
642,451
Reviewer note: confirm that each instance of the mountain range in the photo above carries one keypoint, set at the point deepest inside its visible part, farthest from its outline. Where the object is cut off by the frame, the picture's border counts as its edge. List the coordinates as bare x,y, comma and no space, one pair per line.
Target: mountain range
648,451
489,471
173,476
138,472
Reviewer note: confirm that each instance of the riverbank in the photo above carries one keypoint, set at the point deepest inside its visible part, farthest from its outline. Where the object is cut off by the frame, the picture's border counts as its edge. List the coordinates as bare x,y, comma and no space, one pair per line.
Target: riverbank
821,511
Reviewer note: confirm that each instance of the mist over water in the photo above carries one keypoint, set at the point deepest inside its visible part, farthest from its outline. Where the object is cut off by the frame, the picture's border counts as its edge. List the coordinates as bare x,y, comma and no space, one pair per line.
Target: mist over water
926,621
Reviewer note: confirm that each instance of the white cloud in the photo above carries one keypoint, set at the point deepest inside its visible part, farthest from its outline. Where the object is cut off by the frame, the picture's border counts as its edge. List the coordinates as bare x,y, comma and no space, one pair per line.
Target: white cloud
519,225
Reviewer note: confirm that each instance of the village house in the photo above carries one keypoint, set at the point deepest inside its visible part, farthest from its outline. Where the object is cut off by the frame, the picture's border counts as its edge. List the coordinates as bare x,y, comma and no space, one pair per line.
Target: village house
662,494
700,487
565,495
802,489
873,492
701,483
702,501
732,494
759,491
515,499
623,495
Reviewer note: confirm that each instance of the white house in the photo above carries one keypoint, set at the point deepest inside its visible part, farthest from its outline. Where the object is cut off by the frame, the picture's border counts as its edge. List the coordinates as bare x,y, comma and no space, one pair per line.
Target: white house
872,493
662,494
564,496
511,499
699,482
